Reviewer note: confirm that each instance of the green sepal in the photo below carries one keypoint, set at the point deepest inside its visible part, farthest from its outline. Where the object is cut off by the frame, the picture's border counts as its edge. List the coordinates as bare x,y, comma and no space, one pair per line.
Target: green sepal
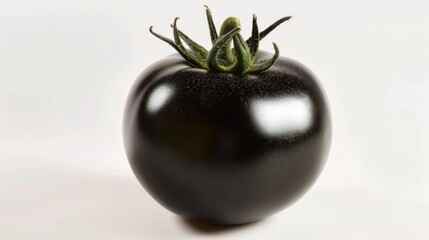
229,53
212,27
198,50
264,65
185,54
270,28
176,35
254,40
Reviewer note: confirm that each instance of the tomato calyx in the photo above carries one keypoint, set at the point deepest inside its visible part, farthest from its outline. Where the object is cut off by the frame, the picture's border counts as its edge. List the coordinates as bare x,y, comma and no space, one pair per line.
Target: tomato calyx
230,52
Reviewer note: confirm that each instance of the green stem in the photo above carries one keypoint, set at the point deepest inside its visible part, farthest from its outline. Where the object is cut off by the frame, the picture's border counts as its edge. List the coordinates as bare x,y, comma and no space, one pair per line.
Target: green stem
212,58
225,52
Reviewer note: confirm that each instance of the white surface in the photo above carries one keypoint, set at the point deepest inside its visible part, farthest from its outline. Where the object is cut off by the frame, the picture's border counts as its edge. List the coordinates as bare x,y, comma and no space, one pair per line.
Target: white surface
66,68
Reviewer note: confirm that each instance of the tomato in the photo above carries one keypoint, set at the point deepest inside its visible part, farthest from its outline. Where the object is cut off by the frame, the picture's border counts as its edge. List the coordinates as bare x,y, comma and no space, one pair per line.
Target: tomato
222,147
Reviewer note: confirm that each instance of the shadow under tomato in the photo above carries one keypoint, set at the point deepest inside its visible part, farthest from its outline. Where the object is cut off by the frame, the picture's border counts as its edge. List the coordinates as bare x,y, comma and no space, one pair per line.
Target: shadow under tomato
205,228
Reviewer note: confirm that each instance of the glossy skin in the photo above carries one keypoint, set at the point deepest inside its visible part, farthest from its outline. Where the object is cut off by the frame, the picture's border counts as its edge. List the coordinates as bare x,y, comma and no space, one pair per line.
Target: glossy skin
223,148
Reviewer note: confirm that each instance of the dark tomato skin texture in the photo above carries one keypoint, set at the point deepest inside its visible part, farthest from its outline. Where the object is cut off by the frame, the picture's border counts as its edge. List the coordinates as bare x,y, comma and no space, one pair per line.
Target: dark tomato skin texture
223,148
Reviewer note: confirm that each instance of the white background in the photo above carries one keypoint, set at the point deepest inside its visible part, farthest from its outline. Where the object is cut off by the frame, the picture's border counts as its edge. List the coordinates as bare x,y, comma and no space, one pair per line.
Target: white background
66,68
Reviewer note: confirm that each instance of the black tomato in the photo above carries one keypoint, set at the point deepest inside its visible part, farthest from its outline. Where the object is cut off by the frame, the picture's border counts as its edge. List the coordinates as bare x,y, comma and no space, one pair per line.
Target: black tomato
226,148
